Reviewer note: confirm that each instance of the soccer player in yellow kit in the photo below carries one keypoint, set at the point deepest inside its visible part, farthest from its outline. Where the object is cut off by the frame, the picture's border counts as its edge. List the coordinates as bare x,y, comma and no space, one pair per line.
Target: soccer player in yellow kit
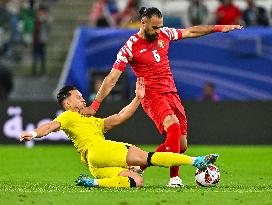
108,161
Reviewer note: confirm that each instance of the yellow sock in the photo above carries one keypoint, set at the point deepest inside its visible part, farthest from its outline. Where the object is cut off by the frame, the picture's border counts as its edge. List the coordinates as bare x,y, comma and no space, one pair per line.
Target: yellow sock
114,182
169,159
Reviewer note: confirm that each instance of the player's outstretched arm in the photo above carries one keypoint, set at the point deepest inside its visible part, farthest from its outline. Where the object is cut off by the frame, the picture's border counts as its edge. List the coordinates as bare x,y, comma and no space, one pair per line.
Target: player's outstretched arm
107,85
41,131
117,119
197,31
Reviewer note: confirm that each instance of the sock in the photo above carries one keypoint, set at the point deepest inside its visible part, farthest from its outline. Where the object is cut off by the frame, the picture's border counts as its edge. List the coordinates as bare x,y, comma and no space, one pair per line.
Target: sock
172,144
160,148
169,159
174,171
117,182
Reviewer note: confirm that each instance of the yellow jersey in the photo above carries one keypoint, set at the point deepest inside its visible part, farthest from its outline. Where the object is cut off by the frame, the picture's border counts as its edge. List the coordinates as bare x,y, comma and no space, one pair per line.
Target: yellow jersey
82,131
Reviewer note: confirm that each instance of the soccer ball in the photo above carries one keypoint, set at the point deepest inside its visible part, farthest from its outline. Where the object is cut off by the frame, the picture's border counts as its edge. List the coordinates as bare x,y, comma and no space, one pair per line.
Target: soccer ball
207,177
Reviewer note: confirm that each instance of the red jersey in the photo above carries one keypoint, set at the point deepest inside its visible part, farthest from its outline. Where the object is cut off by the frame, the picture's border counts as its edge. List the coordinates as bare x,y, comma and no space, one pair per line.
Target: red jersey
149,59
228,15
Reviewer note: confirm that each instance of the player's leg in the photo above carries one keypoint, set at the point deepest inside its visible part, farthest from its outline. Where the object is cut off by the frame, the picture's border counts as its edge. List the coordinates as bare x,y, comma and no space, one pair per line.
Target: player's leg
135,179
136,156
158,108
181,115
177,107
172,128
114,177
107,153
172,143
183,143
107,163
117,177
175,180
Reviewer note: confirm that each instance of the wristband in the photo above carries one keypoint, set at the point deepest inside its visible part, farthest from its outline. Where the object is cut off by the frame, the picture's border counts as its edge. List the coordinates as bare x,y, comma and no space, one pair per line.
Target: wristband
34,134
95,105
218,28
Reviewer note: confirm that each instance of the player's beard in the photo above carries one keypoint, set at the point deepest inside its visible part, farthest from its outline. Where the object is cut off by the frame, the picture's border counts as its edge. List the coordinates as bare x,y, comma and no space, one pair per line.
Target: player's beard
150,37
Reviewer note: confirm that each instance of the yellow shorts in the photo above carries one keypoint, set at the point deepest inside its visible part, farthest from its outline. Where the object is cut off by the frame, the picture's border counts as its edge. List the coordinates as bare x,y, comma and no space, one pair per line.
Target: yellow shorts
107,158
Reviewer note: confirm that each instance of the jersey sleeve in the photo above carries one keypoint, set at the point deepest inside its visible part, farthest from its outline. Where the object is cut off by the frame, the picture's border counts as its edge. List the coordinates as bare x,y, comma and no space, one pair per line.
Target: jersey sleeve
172,33
64,119
124,56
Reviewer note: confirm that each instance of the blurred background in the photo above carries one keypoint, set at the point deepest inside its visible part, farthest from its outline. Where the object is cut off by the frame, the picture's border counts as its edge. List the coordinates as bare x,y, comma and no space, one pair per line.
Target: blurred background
224,80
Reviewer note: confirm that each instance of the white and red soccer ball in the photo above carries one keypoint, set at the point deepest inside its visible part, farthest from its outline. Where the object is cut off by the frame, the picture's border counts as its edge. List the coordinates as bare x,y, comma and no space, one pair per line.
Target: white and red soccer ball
207,177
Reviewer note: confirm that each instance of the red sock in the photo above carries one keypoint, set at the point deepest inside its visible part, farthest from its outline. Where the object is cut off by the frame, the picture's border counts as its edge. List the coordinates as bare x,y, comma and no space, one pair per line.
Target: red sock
172,144
160,148
174,171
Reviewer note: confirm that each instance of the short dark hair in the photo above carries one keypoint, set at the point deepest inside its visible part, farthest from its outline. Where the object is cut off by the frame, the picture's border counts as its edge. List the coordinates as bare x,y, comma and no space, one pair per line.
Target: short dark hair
64,93
149,12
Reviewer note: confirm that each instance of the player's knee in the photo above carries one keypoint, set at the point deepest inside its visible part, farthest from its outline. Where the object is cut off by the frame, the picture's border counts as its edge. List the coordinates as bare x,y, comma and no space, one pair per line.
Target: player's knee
136,156
170,120
139,181
140,160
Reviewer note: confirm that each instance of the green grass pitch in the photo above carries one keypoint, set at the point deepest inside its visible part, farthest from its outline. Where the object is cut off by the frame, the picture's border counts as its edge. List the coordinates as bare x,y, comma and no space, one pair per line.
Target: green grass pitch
46,174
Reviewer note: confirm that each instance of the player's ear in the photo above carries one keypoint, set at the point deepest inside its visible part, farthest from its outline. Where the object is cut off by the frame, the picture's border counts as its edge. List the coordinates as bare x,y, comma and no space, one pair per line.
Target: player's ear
143,21
66,103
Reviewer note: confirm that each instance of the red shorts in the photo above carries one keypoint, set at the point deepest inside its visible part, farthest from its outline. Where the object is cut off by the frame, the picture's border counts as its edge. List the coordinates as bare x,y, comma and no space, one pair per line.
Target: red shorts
158,106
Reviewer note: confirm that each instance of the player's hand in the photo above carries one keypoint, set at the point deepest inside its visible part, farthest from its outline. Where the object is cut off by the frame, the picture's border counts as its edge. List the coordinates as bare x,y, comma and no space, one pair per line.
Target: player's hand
87,111
26,136
140,88
228,28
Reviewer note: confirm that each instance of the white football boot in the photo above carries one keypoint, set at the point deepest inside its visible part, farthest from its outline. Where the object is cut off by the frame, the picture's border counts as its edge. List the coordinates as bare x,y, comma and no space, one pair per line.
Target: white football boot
175,182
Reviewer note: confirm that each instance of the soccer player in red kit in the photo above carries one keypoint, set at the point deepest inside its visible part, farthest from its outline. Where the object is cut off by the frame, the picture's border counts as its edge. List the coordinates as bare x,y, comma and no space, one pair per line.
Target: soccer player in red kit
147,53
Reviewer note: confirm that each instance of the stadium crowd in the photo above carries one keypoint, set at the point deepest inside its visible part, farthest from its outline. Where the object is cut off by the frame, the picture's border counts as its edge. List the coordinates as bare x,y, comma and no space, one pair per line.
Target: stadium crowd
26,24
106,13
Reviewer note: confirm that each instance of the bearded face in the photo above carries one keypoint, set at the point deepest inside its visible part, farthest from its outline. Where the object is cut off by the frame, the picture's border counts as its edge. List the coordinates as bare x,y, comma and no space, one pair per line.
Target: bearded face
150,36
151,27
